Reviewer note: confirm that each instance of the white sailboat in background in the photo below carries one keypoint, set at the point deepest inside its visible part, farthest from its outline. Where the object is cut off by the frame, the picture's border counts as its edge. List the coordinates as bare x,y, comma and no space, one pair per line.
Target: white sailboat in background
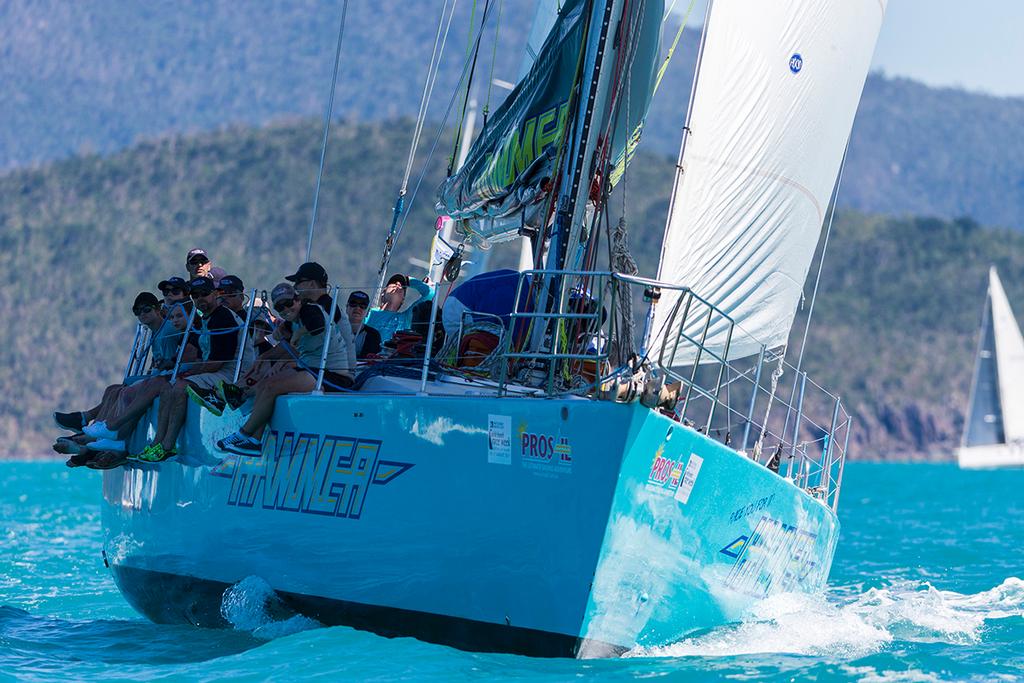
994,426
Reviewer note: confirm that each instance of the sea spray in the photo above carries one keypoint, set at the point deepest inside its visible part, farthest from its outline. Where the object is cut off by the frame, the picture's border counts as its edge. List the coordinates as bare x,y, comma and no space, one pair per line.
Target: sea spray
252,605
852,626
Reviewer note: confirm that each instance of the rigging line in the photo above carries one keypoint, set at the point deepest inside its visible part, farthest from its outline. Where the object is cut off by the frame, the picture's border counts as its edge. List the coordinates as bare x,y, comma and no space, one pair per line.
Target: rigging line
428,88
821,261
675,43
462,114
817,279
469,87
401,216
327,130
494,57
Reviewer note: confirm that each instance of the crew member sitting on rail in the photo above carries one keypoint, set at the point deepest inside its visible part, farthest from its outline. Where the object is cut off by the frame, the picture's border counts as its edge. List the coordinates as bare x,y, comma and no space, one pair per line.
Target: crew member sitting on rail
218,342
136,399
312,329
367,339
311,286
231,293
174,289
114,415
310,282
198,264
395,312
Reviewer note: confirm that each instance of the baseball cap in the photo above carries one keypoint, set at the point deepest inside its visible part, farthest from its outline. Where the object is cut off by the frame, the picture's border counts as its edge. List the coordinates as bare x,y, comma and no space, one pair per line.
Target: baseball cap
201,284
230,283
193,253
145,299
358,297
309,271
399,278
282,291
173,283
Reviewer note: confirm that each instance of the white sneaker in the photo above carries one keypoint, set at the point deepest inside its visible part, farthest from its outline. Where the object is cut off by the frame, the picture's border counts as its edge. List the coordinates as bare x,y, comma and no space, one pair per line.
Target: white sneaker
106,445
98,430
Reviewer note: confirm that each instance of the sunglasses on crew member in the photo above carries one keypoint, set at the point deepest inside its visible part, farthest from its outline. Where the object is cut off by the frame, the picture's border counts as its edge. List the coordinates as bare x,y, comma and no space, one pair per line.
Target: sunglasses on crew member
198,260
279,306
142,310
200,294
358,304
174,290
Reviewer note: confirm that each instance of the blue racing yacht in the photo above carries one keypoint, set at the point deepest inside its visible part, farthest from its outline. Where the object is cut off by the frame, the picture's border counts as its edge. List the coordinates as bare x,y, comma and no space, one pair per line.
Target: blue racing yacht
590,484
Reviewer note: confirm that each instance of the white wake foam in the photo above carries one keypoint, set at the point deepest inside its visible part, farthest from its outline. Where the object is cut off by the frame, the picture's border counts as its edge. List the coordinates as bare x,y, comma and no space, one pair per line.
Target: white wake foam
853,626
252,605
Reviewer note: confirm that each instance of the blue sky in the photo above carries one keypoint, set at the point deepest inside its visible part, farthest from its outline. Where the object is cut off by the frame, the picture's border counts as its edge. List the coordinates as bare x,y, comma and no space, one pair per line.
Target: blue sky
976,46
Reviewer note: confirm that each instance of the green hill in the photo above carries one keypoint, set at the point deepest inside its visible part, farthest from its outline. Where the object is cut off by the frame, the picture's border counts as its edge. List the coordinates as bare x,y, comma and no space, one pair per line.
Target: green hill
893,330
81,76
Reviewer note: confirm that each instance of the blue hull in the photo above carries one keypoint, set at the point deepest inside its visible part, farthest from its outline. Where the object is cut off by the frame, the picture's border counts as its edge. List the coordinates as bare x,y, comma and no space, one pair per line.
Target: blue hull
542,527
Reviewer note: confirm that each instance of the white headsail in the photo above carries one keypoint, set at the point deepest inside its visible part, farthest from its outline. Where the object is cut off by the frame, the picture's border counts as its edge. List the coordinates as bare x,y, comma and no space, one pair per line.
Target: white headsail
774,103
1009,359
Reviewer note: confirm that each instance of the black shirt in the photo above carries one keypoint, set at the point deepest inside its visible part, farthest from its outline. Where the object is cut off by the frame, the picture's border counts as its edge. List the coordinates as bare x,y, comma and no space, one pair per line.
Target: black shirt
367,342
325,303
312,317
223,343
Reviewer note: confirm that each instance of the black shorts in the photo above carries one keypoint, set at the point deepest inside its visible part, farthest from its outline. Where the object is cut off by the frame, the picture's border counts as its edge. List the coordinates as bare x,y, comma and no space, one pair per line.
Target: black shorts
333,382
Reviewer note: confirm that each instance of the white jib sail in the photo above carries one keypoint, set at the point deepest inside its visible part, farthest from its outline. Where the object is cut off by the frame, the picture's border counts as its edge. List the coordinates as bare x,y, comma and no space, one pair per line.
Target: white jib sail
776,94
1009,360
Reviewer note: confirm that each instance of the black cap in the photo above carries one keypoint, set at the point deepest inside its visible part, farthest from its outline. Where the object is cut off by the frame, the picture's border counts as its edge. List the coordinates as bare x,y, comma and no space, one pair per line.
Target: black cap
399,278
358,297
230,283
145,299
173,283
192,253
201,283
309,271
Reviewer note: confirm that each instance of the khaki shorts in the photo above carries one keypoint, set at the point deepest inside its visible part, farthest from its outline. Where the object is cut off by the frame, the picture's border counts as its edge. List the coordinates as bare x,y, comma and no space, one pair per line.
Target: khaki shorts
209,380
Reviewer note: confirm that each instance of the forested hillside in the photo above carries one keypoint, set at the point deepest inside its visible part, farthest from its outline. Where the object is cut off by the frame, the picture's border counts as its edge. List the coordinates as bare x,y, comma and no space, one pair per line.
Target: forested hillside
98,76
893,330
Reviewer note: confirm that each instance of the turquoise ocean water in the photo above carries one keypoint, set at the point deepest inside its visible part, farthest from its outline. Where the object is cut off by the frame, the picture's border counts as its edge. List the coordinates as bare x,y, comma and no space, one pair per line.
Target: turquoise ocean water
927,585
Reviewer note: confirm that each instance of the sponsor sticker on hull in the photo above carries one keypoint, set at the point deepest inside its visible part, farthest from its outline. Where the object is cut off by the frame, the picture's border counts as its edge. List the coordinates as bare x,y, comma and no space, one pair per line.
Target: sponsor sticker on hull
670,477
546,454
499,439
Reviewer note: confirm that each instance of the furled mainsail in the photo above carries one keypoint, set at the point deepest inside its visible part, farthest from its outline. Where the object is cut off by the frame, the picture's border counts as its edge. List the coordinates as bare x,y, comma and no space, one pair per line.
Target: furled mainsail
776,94
504,180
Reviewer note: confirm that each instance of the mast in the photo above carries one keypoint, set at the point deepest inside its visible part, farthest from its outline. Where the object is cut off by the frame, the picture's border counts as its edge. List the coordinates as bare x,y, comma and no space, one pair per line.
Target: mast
544,16
440,250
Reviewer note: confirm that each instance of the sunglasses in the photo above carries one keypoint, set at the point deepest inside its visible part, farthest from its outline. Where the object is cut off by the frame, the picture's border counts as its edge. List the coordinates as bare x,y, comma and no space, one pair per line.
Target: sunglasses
201,294
279,306
174,290
142,310
359,304
198,260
